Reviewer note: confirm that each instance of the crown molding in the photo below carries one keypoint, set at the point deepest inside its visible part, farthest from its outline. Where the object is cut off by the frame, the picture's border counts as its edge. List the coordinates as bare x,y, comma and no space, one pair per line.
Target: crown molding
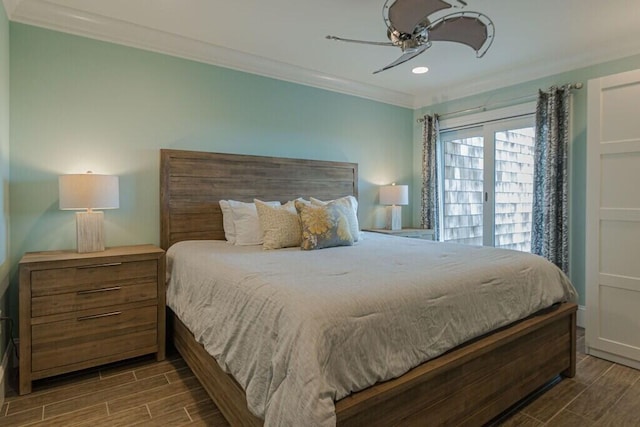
43,13
55,17
526,73
10,6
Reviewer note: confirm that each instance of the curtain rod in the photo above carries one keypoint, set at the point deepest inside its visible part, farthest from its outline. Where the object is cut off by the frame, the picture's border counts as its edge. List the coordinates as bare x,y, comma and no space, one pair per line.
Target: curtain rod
483,107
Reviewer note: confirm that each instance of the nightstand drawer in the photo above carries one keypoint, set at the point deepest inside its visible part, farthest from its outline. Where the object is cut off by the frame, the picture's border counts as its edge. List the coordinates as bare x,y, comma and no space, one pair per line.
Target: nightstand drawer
92,334
92,298
91,277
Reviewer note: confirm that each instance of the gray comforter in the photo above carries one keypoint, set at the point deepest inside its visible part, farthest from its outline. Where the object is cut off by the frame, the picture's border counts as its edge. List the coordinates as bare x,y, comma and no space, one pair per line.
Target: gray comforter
301,329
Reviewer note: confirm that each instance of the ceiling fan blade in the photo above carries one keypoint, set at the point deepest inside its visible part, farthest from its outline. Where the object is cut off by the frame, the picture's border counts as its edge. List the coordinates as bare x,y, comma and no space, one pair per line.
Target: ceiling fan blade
470,28
405,15
405,57
340,39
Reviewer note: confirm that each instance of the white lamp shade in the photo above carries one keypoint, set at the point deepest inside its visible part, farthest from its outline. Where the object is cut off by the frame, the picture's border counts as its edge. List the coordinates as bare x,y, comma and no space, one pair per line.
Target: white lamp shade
88,191
394,195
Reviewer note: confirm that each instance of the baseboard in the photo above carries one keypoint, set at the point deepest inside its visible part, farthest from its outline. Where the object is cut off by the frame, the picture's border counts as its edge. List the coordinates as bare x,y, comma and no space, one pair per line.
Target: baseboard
581,316
621,360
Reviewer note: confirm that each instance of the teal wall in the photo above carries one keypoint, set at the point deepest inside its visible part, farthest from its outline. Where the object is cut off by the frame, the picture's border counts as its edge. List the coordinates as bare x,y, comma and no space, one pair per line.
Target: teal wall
578,148
4,175
79,104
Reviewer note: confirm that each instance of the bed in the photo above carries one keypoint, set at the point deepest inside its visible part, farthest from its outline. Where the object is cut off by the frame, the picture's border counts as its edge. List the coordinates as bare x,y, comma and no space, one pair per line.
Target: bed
470,384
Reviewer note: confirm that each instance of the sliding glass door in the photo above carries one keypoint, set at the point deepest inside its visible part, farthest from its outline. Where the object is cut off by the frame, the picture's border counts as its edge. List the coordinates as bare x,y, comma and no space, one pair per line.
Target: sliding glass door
463,187
488,184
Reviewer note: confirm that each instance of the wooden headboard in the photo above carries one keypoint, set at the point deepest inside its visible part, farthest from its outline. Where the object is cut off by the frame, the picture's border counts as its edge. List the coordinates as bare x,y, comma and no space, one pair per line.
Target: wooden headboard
192,183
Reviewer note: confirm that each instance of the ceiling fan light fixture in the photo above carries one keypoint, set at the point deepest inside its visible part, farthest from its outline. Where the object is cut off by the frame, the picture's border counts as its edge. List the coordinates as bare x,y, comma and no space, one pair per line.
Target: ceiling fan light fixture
420,70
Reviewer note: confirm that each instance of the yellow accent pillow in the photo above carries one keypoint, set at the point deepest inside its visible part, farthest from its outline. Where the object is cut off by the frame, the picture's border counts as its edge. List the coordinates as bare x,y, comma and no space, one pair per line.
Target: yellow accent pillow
352,214
324,226
280,225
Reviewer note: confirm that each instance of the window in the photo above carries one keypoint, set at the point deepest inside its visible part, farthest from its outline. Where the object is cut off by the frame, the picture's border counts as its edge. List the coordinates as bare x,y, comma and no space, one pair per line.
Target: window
487,185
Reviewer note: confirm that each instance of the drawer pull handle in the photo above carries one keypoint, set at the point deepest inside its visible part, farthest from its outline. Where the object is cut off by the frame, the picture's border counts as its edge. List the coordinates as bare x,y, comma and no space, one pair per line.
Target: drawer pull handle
109,264
97,291
99,316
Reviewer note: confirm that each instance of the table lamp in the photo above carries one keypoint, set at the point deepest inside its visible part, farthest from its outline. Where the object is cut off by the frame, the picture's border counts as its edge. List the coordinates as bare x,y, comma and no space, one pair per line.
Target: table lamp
395,196
87,192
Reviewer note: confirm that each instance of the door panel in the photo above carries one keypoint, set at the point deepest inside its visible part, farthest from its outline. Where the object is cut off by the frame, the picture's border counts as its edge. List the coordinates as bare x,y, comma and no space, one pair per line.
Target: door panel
613,218
514,188
463,190
619,181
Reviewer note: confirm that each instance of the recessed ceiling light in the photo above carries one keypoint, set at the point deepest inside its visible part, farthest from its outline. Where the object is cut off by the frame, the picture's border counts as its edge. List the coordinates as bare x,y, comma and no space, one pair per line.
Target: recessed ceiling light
420,70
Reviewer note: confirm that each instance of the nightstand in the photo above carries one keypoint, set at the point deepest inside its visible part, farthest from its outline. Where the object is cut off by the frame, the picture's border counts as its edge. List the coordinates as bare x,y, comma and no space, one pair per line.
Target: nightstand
82,310
416,233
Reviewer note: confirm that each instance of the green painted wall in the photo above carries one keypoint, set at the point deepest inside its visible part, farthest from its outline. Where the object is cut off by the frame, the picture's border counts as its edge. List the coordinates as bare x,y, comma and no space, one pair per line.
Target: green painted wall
79,104
578,144
4,175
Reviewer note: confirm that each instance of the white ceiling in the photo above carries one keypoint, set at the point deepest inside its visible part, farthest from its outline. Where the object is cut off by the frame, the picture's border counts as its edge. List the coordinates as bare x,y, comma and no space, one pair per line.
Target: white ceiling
285,39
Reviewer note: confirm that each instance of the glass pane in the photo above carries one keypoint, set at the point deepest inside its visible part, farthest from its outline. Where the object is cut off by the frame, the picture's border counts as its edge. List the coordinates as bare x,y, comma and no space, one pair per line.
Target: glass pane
463,181
514,188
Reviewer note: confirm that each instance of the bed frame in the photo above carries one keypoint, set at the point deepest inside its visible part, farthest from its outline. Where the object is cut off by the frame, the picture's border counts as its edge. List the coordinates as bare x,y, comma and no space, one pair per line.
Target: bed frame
470,385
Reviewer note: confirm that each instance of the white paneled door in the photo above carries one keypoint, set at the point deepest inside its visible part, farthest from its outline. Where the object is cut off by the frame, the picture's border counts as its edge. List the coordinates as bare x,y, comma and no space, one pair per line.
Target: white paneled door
613,218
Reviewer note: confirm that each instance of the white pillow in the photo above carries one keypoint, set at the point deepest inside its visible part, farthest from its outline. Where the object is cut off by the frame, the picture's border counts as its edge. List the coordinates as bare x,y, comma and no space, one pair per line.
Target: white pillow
245,222
280,225
227,221
350,202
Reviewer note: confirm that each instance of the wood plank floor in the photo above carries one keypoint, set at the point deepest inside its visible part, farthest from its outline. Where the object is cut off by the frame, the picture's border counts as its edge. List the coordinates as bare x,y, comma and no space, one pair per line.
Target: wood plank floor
143,392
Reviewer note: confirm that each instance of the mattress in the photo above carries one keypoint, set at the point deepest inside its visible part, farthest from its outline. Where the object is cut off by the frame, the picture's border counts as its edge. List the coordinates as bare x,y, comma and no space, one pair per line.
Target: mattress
299,330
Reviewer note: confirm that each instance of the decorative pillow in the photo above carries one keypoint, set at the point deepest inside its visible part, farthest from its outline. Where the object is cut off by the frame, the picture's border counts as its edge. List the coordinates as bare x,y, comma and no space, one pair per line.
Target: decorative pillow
246,224
352,204
227,221
324,226
302,200
280,225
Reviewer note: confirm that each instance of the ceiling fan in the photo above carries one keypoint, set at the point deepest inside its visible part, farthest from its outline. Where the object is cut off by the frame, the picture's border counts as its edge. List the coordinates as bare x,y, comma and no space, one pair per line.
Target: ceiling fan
410,28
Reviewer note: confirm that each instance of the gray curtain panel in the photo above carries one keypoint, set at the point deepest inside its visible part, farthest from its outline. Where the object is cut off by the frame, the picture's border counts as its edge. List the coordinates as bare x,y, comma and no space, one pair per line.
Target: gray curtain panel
550,230
430,203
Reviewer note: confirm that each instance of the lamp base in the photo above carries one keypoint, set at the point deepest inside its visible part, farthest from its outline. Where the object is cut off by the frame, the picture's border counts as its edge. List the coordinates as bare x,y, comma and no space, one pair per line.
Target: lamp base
394,218
90,231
